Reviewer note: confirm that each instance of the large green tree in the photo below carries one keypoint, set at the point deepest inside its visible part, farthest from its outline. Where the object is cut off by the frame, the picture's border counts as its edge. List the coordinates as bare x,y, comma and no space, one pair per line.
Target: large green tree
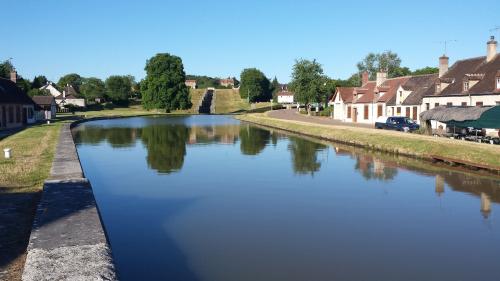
386,61
93,88
72,79
164,86
37,92
254,85
118,89
308,84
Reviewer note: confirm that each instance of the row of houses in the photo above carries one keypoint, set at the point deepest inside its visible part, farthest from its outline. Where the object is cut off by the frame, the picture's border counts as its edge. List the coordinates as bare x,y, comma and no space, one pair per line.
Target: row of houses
468,82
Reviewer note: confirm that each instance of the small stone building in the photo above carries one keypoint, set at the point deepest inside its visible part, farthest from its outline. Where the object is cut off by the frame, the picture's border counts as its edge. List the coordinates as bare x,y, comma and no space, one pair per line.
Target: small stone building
47,107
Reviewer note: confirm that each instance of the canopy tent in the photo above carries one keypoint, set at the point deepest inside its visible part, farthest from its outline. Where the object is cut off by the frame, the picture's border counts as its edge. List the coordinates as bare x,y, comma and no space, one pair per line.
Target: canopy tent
477,117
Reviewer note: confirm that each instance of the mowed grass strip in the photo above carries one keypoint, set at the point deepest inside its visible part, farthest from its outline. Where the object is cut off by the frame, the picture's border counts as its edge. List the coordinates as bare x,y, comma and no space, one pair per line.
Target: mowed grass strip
389,141
32,153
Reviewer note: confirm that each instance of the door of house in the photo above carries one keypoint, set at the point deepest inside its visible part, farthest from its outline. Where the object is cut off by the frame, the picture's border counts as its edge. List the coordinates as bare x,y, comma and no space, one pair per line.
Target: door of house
414,113
408,112
3,120
379,110
25,116
355,115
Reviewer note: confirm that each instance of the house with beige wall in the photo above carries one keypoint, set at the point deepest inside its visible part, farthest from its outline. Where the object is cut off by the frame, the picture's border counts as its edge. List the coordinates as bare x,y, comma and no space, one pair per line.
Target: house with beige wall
468,82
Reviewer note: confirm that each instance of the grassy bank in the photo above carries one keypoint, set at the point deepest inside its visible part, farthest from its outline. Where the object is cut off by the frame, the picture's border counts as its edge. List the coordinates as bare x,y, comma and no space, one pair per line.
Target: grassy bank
229,101
419,146
21,180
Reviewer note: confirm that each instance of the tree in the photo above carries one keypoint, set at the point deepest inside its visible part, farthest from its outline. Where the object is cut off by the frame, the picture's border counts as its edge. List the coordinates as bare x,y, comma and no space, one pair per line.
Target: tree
5,68
164,86
118,89
254,85
38,82
72,79
93,88
37,92
353,81
386,61
308,82
275,88
426,70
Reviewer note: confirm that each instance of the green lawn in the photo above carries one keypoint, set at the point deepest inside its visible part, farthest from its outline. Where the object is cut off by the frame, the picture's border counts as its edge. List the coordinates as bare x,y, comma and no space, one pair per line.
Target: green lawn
229,101
421,146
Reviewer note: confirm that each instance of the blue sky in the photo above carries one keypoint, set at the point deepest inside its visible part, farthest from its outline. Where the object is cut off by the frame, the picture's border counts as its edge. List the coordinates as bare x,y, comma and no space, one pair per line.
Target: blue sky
220,38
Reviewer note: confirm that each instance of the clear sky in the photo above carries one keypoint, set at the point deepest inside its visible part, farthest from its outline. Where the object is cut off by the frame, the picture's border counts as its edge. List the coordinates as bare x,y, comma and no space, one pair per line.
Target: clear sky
219,38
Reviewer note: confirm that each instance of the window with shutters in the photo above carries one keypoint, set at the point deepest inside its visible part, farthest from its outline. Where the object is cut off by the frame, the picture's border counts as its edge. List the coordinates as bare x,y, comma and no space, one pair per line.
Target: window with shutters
348,112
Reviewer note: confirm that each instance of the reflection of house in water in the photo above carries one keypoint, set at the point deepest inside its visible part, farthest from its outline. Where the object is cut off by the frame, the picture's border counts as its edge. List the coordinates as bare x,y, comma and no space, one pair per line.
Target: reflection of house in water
439,185
385,167
214,134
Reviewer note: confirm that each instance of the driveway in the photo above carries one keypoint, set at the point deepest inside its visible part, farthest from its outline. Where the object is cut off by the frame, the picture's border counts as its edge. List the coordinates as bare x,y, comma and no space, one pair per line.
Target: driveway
291,114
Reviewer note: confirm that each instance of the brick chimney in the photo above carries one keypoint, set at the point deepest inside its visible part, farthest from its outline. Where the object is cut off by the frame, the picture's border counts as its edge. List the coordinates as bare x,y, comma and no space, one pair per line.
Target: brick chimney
443,65
364,77
13,76
491,49
381,77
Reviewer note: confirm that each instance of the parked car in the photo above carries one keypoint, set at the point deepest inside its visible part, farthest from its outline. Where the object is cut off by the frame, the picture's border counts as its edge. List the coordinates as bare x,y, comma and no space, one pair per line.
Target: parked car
397,123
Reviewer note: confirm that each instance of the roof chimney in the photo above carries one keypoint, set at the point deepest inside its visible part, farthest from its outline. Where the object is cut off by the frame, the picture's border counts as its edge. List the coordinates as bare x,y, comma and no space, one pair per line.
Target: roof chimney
443,65
381,77
491,49
13,75
364,77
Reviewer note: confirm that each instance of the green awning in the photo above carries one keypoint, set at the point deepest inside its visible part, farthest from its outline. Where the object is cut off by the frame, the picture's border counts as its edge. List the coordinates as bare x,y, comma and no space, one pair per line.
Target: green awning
487,117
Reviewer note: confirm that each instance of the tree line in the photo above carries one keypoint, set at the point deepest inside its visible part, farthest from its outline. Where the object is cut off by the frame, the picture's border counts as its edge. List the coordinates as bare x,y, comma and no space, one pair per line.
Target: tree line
311,86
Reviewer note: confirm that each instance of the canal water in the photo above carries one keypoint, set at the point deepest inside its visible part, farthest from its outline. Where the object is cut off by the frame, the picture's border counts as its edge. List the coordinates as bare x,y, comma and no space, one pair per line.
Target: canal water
210,198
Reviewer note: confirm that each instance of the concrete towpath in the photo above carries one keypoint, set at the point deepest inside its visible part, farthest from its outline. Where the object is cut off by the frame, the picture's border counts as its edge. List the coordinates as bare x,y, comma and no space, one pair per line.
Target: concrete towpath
291,114
68,240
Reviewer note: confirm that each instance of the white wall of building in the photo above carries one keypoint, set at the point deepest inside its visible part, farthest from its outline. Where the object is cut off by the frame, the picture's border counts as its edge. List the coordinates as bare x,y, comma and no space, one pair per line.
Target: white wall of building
285,99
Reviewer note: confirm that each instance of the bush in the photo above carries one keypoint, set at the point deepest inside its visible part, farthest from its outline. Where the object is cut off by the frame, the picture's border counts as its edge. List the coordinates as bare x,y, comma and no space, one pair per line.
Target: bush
327,111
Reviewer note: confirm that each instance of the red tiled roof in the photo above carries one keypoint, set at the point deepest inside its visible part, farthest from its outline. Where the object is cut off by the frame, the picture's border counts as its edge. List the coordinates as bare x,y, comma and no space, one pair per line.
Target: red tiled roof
346,94
285,93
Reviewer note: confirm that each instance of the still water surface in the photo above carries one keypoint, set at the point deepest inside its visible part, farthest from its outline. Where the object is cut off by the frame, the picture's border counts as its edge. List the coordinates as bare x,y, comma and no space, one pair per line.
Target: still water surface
208,198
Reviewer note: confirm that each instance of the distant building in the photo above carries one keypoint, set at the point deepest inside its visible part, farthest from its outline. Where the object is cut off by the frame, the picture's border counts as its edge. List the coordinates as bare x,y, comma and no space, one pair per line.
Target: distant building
16,107
285,97
47,107
70,96
228,82
191,84
51,88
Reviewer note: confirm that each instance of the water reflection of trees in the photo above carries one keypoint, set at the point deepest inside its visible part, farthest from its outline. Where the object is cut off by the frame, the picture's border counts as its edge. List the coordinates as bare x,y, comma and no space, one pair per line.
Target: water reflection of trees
305,155
253,140
166,146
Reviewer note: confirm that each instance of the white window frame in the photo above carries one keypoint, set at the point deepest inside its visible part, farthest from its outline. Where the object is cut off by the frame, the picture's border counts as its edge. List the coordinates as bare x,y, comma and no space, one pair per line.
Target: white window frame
466,86
498,82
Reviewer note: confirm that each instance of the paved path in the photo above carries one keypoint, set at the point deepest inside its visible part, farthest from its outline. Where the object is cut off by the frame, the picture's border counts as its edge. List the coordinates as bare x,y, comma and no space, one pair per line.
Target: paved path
68,241
291,114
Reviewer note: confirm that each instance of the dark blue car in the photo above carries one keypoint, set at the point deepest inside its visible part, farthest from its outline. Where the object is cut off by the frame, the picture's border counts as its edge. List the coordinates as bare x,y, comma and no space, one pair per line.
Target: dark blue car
397,123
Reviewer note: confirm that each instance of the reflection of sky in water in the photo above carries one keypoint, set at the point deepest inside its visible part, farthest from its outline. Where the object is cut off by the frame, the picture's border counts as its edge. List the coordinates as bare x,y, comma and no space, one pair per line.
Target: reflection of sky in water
267,207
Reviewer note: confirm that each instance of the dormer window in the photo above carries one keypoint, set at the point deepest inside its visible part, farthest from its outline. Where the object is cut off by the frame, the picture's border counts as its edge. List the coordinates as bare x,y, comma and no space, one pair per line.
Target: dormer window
498,82
466,86
438,87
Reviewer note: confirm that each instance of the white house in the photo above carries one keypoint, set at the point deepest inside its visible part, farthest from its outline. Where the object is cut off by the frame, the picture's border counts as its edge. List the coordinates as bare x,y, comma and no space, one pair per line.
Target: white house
70,96
285,97
51,88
